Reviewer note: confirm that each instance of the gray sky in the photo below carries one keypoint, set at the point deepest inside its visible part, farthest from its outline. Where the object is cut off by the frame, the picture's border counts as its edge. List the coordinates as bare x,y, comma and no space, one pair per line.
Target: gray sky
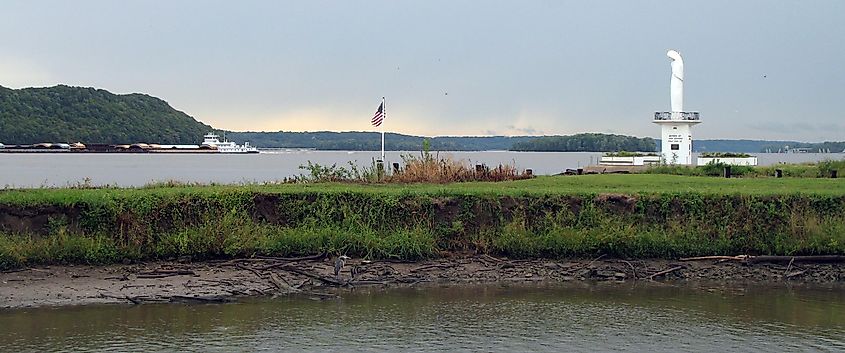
755,69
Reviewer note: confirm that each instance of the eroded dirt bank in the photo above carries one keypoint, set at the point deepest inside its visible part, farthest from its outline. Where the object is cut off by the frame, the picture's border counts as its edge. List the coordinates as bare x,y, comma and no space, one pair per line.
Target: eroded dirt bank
221,281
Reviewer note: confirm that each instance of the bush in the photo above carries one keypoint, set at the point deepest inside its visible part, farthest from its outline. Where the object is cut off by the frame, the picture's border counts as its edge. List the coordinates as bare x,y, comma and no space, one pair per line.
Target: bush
630,154
427,168
711,169
725,155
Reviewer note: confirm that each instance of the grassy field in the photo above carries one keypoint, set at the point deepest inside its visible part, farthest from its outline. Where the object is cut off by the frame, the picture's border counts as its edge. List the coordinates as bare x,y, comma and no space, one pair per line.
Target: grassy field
820,169
544,185
630,216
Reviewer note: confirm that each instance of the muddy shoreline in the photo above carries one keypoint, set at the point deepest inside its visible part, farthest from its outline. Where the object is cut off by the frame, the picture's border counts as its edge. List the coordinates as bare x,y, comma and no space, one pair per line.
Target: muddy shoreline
313,277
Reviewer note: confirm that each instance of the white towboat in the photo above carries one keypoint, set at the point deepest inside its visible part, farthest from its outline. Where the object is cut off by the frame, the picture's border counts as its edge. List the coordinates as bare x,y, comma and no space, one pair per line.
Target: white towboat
211,140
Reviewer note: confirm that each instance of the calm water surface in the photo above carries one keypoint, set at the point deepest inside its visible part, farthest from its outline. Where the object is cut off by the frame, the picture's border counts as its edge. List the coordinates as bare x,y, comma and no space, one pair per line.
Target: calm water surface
489,318
36,170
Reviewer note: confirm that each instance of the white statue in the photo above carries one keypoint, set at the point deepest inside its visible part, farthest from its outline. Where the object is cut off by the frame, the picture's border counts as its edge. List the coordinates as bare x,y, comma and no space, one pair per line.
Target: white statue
676,87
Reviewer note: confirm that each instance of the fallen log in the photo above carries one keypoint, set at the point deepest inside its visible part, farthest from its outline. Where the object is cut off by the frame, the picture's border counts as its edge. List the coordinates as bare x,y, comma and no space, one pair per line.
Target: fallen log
281,285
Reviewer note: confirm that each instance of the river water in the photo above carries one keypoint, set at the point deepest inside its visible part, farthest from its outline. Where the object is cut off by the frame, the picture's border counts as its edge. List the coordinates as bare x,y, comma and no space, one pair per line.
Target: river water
487,318
59,169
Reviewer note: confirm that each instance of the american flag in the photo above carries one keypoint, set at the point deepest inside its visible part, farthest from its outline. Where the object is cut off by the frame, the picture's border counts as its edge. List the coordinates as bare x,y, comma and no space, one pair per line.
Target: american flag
378,118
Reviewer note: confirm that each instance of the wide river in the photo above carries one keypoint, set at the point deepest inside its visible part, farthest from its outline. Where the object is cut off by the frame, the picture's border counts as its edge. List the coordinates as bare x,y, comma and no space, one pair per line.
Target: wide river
477,318
59,169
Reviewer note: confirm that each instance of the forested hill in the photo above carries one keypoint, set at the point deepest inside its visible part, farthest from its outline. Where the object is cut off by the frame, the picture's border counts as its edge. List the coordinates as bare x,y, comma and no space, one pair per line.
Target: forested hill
76,114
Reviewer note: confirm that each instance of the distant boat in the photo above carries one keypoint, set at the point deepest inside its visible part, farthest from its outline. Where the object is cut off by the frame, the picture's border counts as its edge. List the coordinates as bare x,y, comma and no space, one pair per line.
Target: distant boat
213,141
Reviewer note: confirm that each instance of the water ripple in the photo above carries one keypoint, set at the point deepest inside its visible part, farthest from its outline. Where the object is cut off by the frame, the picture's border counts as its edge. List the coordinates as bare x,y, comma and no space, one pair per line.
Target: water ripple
458,319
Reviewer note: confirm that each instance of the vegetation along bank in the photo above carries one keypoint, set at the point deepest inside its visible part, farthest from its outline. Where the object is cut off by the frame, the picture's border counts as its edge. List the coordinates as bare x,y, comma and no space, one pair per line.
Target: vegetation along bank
618,216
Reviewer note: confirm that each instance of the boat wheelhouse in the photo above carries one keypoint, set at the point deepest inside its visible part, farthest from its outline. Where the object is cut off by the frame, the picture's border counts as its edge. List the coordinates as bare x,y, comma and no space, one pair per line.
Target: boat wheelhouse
211,140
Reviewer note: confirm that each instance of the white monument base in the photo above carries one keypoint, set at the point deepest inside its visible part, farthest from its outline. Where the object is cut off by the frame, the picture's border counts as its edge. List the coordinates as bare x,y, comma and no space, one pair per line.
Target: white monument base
639,160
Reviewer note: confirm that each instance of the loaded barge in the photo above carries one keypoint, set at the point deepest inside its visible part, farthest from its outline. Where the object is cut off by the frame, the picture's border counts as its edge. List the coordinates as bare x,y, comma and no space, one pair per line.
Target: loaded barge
211,144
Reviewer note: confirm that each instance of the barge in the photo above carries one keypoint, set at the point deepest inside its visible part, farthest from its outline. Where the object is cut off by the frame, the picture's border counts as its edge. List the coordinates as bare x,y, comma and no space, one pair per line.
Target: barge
211,144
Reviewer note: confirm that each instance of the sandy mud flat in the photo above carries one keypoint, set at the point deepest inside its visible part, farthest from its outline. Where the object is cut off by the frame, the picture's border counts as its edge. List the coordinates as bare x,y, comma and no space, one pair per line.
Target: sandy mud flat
313,277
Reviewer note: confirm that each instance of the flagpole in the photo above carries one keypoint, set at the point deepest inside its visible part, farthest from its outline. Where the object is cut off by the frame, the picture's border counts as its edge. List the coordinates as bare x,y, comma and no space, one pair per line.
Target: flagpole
384,117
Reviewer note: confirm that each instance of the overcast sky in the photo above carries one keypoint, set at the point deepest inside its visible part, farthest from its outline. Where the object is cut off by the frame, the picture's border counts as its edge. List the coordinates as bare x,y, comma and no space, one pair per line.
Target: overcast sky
754,69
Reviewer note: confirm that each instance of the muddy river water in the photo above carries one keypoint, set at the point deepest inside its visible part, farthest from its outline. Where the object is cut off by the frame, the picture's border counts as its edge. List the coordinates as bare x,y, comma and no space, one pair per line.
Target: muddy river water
27,170
637,317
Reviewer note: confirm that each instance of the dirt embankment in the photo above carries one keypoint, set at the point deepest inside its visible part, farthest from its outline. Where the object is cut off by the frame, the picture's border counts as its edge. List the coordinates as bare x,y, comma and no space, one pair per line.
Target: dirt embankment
221,281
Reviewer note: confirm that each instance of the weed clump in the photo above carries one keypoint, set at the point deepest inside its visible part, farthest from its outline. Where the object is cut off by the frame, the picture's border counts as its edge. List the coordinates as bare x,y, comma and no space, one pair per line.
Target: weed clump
426,168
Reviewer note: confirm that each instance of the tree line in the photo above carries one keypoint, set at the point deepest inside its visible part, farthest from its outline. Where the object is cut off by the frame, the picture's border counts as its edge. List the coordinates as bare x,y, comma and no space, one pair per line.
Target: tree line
88,115
590,142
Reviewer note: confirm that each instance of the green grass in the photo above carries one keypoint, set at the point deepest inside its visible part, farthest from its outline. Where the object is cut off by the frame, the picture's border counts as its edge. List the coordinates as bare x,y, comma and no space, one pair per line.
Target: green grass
544,185
821,169
642,215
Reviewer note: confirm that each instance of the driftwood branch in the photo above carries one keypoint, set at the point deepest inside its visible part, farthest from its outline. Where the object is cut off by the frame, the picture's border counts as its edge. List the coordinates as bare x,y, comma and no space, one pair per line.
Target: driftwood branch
634,270
328,280
793,274
250,269
428,267
798,259
673,269
772,258
590,265
164,273
705,258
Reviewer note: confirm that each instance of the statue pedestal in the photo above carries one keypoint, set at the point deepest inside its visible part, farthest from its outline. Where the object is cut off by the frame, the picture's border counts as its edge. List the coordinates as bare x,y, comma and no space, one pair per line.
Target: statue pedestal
676,136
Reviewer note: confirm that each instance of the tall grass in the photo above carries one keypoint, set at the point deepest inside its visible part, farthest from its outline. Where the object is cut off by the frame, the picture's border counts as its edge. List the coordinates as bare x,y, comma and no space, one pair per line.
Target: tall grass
223,223
234,234
427,168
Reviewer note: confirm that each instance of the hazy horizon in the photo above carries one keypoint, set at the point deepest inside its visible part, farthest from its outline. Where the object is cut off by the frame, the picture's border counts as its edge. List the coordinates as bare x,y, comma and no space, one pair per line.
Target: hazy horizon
755,70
